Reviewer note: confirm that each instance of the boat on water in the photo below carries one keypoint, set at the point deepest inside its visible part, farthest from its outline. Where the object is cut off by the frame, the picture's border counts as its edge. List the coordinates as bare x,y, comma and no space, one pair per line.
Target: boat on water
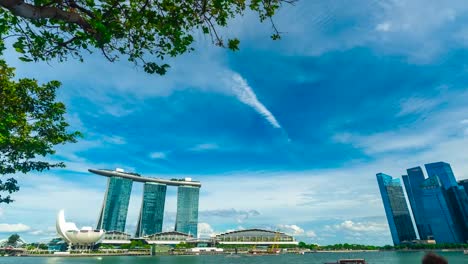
465,251
348,261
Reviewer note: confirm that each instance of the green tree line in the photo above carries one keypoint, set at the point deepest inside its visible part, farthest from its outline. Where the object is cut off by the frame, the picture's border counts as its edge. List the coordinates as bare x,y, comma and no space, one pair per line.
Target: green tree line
347,246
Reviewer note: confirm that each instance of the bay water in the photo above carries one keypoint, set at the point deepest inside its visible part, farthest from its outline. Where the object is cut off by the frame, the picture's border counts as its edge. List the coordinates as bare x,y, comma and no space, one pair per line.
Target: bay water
370,257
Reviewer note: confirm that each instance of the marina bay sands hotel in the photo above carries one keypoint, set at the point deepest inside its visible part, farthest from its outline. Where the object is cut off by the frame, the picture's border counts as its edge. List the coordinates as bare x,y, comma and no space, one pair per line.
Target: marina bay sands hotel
113,214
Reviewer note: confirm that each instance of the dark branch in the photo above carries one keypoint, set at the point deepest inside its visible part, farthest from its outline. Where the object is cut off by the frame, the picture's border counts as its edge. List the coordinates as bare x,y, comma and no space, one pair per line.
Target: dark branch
22,9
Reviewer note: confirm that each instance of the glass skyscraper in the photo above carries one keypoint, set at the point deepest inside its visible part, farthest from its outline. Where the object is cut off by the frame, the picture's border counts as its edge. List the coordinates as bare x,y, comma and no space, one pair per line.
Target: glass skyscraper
464,183
443,171
187,210
396,209
458,200
439,203
113,214
152,209
413,182
437,209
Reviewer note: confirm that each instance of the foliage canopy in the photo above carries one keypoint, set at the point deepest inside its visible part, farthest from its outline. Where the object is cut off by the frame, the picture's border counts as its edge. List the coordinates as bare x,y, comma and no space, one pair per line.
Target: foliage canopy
143,31
13,239
31,124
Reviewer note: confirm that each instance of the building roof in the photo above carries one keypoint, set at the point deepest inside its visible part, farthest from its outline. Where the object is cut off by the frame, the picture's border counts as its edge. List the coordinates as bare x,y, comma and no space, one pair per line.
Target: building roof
115,232
256,237
138,178
252,231
169,233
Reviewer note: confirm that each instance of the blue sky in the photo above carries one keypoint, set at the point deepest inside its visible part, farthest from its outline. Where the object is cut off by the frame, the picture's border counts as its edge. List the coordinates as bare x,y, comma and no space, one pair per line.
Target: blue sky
286,135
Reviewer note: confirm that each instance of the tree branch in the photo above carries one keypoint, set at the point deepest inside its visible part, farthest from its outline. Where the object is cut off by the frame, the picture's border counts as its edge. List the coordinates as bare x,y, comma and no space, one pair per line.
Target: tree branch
25,10
84,10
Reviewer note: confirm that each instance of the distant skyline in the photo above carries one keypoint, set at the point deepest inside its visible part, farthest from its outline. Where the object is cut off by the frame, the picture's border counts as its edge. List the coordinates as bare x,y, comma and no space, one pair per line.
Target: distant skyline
286,135
439,205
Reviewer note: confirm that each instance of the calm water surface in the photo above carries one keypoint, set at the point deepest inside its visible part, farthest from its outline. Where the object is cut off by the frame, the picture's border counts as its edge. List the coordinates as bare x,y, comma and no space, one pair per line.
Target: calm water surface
371,257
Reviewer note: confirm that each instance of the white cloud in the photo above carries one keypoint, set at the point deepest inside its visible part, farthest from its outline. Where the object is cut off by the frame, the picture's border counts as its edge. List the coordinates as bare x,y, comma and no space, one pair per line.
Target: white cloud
239,215
245,94
36,232
417,105
293,230
205,230
12,228
311,234
158,155
388,141
349,225
117,140
423,134
50,232
385,26
204,147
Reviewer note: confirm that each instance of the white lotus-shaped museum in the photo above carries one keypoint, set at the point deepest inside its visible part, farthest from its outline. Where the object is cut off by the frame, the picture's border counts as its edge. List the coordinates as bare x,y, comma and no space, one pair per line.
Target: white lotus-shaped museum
74,236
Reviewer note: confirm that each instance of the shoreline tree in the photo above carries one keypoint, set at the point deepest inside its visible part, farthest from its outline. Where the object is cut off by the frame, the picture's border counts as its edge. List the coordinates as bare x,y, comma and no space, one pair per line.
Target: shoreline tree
13,239
31,124
145,32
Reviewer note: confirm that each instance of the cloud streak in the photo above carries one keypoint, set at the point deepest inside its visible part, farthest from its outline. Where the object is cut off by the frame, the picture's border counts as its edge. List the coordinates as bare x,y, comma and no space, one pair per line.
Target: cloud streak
241,89
349,225
158,155
239,215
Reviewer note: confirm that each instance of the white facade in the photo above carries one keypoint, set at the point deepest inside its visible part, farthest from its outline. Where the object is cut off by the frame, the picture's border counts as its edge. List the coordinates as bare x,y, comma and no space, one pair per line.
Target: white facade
74,236
206,249
258,243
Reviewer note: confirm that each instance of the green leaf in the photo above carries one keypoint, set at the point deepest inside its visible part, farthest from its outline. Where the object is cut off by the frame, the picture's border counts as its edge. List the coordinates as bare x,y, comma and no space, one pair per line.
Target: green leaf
31,124
25,59
233,44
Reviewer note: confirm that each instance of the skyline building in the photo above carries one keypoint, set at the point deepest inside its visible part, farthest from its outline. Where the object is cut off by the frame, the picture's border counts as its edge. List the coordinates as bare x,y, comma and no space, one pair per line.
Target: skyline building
444,171
439,217
151,216
459,206
114,210
464,183
396,209
187,210
113,216
439,204
413,182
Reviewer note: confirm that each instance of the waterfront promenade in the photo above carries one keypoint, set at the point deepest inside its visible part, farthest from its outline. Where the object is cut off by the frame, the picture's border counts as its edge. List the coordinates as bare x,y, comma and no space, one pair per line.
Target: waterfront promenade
319,258
230,253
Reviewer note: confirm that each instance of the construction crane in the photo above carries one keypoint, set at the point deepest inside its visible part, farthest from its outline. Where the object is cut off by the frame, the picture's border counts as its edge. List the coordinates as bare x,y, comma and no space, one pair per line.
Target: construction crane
275,247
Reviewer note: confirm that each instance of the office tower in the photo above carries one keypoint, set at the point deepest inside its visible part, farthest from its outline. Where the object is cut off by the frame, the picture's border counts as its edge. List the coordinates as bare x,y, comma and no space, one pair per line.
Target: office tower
152,209
113,214
396,209
443,171
457,200
458,206
437,211
464,183
114,210
187,210
413,182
